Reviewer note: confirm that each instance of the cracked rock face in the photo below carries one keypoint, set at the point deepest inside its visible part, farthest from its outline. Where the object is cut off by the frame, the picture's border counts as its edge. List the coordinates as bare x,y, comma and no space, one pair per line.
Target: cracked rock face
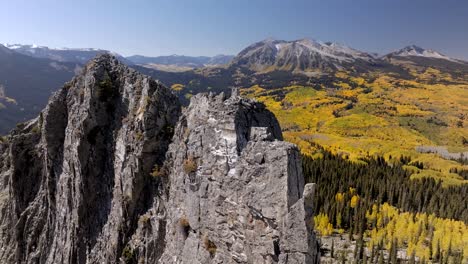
75,180
96,179
242,198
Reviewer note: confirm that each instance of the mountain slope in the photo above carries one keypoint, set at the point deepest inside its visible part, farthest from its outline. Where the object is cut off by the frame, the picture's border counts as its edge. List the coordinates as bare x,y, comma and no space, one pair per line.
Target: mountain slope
415,51
182,61
383,115
417,59
25,85
80,56
300,55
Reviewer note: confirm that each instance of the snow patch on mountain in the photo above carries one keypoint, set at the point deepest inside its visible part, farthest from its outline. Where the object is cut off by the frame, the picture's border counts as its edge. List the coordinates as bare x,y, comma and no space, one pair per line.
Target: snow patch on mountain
421,52
333,50
303,55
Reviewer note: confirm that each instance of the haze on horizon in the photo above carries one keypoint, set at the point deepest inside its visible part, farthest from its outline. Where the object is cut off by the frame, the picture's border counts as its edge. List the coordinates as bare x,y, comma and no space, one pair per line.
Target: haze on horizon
210,27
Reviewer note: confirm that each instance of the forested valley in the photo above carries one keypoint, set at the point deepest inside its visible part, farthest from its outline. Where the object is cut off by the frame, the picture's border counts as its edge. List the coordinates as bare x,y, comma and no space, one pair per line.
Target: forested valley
375,204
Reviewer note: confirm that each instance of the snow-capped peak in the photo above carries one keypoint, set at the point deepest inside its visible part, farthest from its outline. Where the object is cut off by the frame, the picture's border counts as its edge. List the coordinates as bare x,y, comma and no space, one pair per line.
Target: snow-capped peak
4,48
414,50
334,50
35,46
299,55
13,46
79,55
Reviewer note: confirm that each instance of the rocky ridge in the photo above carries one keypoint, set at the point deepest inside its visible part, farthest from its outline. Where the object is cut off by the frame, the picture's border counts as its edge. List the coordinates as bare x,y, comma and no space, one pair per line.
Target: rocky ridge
300,56
112,172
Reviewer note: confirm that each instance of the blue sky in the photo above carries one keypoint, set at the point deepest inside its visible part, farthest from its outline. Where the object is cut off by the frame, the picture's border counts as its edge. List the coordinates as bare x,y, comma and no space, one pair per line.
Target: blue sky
209,27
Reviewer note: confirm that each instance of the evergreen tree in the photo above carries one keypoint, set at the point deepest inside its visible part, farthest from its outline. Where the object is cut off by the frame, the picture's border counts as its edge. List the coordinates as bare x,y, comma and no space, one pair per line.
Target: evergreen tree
394,252
381,257
332,251
356,250
361,248
378,182
343,257
364,258
412,259
437,252
351,190
372,254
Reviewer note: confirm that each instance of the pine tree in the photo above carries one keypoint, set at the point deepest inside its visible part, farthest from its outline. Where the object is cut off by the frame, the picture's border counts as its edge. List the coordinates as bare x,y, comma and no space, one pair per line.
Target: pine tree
381,258
449,250
412,259
356,250
332,251
377,183
394,252
343,257
364,258
361,248
437,253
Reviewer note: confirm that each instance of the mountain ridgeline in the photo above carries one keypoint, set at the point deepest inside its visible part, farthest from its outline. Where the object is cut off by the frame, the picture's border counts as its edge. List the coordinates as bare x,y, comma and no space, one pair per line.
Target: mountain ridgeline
277,63
26,83
269,64
112,171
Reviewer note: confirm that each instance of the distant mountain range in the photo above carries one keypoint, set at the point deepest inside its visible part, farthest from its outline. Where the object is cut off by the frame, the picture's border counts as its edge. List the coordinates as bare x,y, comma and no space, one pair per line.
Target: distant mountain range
29,73
307,55
182,61
61,54
304,55
415,51
84,55
26,83
300,55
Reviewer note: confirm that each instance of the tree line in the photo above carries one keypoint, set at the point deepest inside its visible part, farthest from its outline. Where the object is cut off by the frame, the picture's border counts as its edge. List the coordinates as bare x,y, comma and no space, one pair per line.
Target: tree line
378,204
378,182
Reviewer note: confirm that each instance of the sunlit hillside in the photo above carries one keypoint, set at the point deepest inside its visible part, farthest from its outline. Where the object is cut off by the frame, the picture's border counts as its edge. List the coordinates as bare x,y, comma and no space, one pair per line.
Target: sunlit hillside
422,117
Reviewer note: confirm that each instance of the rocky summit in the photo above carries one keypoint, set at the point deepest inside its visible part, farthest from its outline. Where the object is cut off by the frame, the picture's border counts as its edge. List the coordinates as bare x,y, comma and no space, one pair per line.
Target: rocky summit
112,171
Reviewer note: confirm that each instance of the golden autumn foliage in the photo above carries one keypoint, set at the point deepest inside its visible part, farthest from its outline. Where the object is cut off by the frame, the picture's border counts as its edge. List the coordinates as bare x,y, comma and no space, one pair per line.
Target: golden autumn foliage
339,197
354,201
421,234
377,114
323,225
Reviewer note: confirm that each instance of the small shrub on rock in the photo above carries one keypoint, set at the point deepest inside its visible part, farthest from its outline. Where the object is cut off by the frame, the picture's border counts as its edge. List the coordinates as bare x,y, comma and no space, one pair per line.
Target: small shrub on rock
128,254
184,226
158,171
190,165
210,246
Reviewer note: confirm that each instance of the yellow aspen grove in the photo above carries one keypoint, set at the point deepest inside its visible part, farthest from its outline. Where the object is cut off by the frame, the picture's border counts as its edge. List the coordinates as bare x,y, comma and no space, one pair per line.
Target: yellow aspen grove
422,234
339,197
354,201
323,225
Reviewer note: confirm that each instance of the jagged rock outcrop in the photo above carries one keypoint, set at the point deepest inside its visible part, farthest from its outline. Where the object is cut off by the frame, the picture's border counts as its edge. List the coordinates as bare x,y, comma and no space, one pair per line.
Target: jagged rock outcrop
236,191
76,179
96,179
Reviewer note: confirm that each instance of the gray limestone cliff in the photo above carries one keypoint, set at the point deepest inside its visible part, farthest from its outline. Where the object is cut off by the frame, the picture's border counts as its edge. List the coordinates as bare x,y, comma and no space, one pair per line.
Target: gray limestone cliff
112,172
